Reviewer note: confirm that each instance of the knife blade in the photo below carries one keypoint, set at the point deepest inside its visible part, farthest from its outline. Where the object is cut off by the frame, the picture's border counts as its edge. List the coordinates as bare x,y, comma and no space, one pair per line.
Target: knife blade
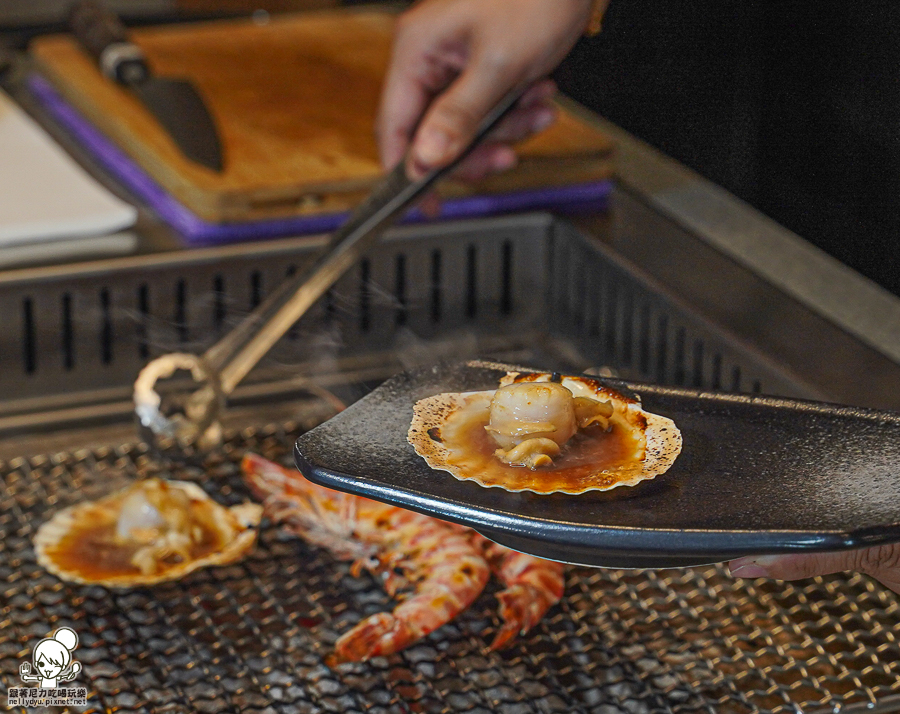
175,103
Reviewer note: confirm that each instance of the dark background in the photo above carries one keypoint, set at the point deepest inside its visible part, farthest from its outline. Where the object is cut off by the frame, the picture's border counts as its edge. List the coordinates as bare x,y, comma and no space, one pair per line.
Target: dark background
793,106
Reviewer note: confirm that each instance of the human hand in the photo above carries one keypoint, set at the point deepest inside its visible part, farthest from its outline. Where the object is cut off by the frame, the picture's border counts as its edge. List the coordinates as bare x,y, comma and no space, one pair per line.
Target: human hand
882,562
452,62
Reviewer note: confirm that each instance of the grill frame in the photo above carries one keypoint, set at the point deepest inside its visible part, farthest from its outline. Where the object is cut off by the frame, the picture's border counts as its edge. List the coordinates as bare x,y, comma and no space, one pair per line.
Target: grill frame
80,334
620,641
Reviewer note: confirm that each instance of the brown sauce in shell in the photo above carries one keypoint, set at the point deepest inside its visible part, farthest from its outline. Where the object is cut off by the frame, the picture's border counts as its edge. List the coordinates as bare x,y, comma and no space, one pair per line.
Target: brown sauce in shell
592,459
91,550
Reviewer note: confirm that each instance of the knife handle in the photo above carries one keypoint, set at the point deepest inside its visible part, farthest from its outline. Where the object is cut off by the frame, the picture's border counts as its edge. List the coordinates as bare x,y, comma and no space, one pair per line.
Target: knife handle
101,33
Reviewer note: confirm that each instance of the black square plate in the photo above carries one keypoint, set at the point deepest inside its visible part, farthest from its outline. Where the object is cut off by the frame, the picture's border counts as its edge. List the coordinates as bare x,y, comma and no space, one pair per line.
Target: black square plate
756,475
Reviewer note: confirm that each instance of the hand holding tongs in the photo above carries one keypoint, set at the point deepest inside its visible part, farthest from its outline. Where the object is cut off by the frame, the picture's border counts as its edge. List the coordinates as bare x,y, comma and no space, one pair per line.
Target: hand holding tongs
221,368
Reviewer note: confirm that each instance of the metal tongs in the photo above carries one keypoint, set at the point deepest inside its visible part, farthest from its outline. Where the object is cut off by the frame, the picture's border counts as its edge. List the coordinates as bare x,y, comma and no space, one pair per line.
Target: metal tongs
222,367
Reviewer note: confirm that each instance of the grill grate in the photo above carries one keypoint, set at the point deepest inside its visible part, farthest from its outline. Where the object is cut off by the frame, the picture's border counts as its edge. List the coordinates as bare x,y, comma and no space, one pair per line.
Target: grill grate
253,636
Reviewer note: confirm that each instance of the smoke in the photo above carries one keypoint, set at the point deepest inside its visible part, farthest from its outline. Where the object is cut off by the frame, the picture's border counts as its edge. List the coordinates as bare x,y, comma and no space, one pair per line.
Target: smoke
129,323
415,351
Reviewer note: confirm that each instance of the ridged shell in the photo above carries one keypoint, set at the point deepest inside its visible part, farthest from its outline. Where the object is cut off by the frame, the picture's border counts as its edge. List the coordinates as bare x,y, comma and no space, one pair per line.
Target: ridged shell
235,528
438,421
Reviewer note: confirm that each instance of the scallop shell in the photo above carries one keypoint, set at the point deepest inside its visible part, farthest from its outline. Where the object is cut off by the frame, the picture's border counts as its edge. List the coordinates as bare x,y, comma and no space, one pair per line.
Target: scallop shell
438,423
234,531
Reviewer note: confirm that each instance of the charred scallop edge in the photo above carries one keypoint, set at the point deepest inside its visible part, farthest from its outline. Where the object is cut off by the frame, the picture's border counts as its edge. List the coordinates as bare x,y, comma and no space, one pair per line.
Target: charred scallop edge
240,521
662,438
593,383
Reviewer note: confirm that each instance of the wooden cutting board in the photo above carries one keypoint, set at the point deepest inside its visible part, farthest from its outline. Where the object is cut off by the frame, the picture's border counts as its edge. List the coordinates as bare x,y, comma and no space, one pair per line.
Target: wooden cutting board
295,101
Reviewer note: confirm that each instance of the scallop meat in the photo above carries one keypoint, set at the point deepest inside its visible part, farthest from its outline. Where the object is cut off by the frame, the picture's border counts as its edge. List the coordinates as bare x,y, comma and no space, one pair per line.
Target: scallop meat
153,531
545,433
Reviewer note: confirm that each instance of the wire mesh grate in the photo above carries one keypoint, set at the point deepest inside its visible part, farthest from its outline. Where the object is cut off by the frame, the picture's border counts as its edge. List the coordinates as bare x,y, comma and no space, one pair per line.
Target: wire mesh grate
254,636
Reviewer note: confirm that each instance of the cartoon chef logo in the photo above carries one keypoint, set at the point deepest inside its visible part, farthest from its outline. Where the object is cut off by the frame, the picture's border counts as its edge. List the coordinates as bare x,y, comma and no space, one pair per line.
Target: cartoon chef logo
53,660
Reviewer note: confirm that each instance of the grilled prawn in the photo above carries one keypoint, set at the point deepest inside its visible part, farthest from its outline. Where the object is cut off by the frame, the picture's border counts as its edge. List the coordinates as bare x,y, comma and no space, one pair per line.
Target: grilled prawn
438,561
447,565
533,586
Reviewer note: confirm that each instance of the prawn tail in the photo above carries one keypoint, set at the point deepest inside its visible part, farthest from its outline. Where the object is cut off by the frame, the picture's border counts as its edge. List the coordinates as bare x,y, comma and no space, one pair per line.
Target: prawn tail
533,586
378,634
448,590
521,608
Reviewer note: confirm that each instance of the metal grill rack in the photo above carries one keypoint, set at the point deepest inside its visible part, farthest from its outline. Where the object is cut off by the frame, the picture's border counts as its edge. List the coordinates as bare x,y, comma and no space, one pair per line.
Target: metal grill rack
254,636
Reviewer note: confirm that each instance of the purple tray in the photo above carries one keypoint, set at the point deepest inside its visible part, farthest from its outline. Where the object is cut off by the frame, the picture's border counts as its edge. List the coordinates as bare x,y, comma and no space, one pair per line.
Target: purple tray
579,198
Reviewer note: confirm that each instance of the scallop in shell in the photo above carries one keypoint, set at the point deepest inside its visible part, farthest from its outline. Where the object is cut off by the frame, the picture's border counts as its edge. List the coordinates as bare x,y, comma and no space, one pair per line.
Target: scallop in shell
544,433
150,532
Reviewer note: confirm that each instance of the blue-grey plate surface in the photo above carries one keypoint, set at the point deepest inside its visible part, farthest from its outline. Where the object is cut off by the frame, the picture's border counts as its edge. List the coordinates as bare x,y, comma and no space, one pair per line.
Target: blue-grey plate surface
756,475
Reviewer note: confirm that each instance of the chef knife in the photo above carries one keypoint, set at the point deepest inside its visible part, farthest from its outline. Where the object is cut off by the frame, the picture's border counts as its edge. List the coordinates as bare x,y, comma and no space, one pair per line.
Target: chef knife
174,102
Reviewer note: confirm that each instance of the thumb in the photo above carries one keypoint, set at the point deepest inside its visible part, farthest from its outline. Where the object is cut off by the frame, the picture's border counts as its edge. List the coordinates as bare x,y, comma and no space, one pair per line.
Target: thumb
881,562
453,118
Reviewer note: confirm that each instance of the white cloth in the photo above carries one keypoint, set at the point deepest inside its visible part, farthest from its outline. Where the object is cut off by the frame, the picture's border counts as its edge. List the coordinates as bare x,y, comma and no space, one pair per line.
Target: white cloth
44,195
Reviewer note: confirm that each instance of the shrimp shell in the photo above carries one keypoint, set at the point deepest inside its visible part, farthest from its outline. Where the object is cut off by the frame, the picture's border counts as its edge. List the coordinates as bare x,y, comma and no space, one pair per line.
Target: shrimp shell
533,586
437,560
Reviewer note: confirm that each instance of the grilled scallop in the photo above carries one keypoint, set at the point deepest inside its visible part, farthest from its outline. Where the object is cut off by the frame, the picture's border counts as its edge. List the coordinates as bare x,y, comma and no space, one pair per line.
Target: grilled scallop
544,433
151,532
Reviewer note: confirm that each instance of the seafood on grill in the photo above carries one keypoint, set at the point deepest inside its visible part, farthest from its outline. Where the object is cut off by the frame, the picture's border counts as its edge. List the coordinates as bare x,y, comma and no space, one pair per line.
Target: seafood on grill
153,531
533,586
438,569
545,433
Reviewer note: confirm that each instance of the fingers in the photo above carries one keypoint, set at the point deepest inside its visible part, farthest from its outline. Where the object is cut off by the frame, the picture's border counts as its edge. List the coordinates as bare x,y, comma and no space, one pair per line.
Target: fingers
538,93
416,73
527,118
789,567
453,60
453,117
496,155
393,133
532,115
403,99
485,160
881,562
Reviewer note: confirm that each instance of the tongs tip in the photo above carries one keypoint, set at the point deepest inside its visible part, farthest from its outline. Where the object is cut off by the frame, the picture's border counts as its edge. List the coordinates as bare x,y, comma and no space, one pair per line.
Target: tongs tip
189,422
